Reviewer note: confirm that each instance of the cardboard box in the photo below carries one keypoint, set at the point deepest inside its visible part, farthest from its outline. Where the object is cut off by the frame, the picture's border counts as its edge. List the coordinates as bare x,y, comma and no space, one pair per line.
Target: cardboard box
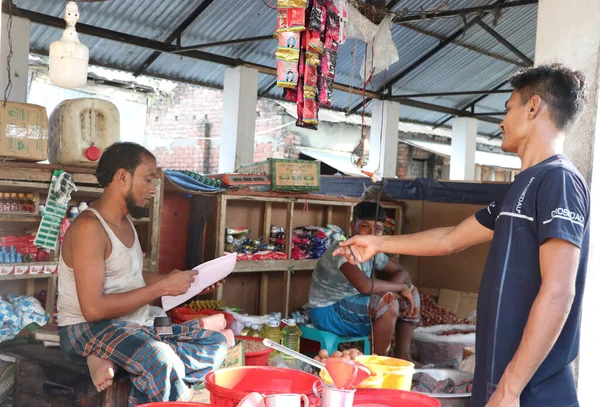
463,304
23,132
288,175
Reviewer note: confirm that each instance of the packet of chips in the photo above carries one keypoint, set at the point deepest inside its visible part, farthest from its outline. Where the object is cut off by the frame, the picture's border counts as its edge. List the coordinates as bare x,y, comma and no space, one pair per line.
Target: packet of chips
290,19
287,74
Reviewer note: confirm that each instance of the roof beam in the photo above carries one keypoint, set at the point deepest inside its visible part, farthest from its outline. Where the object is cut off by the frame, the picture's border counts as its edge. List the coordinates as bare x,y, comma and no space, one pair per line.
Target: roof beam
462,44
174,35
462,11
424,58
442,94
443,109
158,46
227,42
505,42
472,103
267,89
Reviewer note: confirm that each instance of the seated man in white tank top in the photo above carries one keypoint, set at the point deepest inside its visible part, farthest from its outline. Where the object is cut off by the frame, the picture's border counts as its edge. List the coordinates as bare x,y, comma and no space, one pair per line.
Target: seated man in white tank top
104,296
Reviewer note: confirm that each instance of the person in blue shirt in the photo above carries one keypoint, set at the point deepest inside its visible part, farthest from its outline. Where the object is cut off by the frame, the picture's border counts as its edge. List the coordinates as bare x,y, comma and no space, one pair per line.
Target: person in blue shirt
350,300
532,286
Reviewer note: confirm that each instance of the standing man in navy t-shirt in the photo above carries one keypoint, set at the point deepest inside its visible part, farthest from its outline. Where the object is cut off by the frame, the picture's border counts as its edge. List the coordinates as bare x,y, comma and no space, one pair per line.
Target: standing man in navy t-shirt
532,285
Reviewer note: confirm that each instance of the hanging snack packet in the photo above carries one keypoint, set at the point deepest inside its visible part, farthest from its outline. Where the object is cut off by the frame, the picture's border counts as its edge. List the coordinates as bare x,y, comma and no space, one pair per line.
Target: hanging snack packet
310,111
333,26
289,40
290,19
328,63
314,42
318,17
325,91
287,74
291,3
310,80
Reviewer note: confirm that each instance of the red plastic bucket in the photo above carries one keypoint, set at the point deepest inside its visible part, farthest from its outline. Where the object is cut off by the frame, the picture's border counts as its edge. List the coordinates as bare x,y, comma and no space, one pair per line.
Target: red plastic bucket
260,358
175,404
392,398
228,387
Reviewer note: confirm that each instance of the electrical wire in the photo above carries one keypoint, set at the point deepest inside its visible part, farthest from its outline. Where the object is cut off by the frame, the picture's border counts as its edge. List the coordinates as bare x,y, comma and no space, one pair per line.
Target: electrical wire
9,84
268,4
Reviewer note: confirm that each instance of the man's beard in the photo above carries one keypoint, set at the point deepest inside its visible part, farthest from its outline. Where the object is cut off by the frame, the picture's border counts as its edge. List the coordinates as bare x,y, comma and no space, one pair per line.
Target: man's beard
134,210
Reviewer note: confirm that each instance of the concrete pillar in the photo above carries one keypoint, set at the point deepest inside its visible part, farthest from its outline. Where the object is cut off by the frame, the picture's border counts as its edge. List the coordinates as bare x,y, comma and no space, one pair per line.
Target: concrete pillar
383,139
19,64
570,35
240,94
464,145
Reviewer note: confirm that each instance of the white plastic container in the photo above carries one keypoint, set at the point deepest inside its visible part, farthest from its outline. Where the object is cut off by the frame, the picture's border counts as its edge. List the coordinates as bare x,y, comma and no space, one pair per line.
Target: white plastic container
78,128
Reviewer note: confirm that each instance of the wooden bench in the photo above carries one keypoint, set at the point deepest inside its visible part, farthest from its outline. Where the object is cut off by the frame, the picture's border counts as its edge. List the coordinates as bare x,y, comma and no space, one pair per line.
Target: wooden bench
44,378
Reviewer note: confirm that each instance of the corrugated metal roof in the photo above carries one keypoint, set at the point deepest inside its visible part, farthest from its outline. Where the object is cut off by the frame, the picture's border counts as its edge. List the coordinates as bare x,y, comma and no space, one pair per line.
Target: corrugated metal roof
452,69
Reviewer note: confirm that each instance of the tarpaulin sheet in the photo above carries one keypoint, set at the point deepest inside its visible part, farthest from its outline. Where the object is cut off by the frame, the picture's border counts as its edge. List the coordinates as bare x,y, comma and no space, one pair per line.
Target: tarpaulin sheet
422,189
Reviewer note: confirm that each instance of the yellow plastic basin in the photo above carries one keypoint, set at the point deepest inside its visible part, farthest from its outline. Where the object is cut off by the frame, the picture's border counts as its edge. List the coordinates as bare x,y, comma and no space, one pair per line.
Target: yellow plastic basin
395,373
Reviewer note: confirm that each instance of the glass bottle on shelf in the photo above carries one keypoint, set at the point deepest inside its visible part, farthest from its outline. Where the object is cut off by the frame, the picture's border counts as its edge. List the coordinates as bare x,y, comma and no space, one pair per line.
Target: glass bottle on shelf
14,202
30,203
22,203
7,205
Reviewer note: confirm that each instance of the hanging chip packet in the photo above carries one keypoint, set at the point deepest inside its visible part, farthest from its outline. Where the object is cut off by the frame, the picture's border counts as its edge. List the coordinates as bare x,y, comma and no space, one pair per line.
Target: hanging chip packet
291,18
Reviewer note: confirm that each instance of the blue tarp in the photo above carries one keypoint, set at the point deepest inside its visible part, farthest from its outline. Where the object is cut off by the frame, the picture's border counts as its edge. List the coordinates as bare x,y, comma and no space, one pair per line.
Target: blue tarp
423,189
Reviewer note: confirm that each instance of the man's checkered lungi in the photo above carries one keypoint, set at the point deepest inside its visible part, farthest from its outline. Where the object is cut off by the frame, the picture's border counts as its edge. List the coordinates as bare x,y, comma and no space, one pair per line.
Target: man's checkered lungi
160,368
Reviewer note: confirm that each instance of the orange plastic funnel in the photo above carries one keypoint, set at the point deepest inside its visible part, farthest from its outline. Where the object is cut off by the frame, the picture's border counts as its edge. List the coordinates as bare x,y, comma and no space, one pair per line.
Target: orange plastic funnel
346,373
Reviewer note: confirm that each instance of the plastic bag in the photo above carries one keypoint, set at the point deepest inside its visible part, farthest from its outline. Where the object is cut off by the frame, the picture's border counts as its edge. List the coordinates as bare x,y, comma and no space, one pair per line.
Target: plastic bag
359,26
381,52
433,347
7,314
240,320
28,310
468,364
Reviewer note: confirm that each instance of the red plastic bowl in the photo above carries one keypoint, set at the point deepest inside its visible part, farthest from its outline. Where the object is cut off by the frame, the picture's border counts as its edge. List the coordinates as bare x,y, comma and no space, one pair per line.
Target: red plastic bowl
229,386
392,398
175,404
260,358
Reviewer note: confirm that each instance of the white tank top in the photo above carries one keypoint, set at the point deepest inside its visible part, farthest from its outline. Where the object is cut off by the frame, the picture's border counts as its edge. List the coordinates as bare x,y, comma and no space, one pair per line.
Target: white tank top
123,273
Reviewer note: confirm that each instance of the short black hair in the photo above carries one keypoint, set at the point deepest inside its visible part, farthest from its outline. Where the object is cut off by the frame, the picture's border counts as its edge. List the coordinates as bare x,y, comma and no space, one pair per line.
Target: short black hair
120,155
369,211
563,89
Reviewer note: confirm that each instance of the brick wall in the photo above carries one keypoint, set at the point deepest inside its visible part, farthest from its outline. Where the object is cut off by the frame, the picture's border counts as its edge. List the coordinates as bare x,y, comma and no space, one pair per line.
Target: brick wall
184,131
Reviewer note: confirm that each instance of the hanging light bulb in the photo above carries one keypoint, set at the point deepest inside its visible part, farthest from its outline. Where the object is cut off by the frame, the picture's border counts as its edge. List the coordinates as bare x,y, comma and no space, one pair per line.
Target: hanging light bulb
69,57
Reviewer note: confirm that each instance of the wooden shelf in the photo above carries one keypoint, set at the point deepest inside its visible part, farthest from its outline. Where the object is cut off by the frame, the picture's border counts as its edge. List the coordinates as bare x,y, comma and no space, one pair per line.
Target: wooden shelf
25,276
255,266
42,187
19,217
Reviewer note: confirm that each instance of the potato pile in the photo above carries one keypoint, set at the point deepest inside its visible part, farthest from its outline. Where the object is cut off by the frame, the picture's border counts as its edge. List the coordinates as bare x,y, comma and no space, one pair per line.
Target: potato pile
346,354
433,314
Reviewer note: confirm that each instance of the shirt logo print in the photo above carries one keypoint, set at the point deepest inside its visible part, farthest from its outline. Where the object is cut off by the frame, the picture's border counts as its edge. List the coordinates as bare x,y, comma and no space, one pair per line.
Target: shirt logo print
522,197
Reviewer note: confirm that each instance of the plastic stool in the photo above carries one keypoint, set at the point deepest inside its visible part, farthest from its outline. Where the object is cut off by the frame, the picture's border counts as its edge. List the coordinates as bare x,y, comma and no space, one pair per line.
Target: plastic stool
330,341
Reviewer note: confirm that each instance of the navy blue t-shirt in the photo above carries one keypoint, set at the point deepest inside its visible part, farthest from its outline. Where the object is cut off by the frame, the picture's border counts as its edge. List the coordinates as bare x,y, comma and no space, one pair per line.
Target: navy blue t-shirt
548,200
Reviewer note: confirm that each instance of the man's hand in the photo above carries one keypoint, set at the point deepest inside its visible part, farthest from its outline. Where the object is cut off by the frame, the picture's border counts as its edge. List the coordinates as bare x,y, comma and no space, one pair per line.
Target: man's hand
358,249
407,295
212,288
503,398
178,282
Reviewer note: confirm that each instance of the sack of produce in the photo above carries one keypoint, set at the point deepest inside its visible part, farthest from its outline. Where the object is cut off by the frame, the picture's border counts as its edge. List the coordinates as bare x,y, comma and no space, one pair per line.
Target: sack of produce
443,345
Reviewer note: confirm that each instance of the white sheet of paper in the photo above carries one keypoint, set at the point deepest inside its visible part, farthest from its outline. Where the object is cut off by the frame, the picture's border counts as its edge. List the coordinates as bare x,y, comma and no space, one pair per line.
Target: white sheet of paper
208,274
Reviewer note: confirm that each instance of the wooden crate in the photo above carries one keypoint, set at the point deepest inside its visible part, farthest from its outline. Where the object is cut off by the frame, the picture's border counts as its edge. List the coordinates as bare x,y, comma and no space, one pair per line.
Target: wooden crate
44,378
